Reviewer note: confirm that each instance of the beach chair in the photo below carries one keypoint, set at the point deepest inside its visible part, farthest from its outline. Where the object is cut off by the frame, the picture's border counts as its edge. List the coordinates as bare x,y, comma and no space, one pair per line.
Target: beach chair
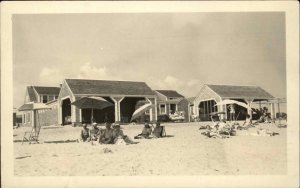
32,136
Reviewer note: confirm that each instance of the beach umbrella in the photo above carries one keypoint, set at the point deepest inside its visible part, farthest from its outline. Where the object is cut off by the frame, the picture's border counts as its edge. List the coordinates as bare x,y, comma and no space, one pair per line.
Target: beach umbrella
138,112
33,106
228,101
93,103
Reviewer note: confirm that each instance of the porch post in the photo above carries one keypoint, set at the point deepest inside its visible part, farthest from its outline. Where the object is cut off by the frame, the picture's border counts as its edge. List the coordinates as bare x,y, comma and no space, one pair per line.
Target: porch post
222,109
150,111
272,110
117,101
153,114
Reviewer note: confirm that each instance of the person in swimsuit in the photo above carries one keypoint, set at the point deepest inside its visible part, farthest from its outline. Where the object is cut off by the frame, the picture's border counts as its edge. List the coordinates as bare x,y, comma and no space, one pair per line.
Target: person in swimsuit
84,133
106,137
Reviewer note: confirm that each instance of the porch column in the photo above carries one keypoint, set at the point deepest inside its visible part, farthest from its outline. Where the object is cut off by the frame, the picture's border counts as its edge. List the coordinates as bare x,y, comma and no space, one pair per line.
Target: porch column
273,114
153,114
221,108
117,101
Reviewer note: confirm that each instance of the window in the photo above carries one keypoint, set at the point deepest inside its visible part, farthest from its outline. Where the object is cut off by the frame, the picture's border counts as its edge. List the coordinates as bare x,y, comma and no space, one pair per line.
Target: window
45,99
55,97
51,98
28,117
162,109
173,108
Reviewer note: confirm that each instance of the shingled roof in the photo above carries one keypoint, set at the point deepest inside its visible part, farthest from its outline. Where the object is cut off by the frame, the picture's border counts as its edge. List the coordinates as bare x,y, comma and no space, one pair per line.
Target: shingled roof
250,92
47,90
107,87
169,93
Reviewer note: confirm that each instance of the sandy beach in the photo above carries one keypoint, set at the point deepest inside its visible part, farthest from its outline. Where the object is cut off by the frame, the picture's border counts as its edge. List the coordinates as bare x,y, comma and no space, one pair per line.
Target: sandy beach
183,152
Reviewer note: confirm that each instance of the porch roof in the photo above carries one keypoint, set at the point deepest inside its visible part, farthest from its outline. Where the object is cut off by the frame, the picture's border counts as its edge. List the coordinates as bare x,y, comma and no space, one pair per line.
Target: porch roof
241,92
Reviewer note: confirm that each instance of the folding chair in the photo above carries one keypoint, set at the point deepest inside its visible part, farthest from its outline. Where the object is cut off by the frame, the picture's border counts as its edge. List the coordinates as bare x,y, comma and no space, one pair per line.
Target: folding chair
32,136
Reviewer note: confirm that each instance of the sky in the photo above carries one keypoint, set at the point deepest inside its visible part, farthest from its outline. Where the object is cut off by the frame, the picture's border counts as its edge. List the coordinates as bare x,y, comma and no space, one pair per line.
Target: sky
178,51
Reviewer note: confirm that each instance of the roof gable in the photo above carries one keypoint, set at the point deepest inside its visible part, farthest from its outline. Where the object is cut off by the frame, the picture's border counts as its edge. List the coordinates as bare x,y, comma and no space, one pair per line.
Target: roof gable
231,91
107,87
170,93
45,90
31,93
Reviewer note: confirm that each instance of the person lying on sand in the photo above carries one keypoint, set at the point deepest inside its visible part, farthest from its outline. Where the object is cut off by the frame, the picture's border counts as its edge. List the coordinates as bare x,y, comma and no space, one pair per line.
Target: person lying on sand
146,132
84,133
119,137
212,132
106,136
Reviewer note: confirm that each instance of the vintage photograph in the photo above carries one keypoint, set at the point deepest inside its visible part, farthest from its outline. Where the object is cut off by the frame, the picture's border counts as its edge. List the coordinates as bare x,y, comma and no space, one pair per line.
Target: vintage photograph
149,94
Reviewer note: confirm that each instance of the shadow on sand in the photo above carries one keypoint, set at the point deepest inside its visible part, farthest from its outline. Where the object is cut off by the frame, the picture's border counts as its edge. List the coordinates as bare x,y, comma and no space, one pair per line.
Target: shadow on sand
60,141
52,127
23,157
168,136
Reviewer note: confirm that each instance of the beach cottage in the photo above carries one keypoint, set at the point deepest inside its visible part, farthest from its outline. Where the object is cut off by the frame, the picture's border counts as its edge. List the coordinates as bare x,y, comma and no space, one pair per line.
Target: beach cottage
124,96
209,95
170,101
37,94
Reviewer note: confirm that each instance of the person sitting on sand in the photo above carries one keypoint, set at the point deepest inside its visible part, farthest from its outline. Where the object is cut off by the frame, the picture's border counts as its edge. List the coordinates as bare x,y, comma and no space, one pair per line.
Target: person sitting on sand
84,133
157,131
146,132
119,137
106,137
94,132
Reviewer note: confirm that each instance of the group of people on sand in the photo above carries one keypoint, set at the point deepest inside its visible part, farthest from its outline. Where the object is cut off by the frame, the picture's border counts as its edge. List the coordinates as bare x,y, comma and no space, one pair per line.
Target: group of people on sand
223,129
109,135
113,134
151,132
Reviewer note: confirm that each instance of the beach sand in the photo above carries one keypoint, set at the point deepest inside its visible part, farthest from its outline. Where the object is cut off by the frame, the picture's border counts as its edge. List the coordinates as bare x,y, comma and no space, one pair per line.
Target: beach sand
183,152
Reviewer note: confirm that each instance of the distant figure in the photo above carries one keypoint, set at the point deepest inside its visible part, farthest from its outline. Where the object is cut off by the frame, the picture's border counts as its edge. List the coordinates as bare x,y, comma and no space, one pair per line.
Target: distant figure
248,121
146,132
119,137
94,132
84,133
232,112
106,137
157,131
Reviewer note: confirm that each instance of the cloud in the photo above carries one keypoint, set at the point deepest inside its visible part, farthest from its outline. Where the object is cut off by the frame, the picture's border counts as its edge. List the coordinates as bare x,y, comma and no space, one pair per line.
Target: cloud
89,71
50,76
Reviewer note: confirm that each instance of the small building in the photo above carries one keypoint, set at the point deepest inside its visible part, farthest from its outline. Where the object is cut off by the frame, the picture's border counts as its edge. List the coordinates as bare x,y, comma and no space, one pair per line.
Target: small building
170,101
209,95
37,94
123,94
